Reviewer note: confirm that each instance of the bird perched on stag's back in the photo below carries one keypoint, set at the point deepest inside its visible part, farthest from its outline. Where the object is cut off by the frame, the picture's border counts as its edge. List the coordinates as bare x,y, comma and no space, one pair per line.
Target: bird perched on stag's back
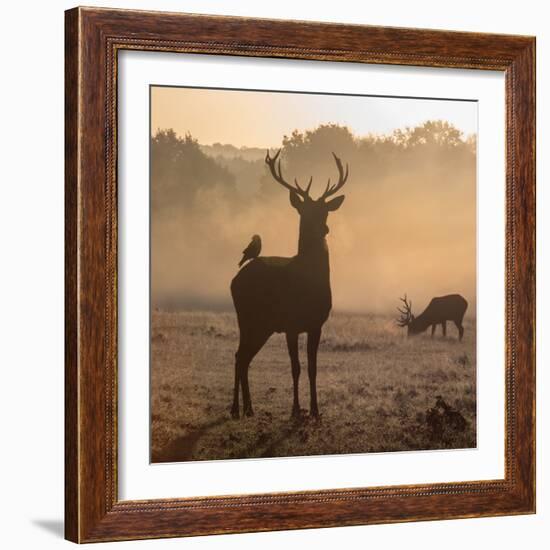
252,250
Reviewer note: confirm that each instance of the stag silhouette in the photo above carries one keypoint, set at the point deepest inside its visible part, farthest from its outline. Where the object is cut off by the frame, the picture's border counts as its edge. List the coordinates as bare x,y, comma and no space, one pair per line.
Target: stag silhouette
290,295
440,310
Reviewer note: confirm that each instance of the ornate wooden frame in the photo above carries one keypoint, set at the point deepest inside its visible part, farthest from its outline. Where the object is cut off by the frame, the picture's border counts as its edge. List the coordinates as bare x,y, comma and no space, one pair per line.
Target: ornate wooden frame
93,38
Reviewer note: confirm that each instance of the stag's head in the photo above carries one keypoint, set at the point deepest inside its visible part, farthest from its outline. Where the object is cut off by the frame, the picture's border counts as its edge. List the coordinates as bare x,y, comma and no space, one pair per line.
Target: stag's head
407,319
313,212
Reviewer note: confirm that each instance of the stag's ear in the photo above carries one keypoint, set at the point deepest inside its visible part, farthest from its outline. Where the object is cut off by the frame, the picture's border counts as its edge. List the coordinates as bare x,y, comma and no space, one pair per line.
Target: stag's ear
296,201
334,204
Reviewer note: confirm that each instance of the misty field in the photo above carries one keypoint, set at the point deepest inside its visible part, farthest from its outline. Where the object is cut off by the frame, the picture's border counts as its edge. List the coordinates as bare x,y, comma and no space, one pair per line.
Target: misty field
375,387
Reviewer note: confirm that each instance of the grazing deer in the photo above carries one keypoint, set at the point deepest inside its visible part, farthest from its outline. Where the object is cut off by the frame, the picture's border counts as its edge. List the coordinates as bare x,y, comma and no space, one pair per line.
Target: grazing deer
439,311
290,295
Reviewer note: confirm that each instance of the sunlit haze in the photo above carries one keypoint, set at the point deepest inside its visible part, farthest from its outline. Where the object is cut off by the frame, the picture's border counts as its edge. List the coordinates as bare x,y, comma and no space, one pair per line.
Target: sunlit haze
408,222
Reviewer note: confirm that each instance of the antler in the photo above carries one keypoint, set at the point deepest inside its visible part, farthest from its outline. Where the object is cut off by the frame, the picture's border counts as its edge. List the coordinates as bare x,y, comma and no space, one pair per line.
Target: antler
342,178
275,169
406,314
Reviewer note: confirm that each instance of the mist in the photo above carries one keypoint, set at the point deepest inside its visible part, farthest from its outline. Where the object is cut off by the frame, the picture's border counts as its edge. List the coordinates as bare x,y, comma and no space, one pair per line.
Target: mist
407,225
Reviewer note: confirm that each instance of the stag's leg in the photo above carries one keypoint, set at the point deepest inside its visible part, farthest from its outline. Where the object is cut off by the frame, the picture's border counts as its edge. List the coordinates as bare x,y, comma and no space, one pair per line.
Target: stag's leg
235,407
313,338
444,327
249,346
460,329
247,403
433,330
292,344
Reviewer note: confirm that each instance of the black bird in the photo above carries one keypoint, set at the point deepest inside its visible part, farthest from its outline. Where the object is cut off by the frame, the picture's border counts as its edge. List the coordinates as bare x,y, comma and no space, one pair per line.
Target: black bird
252,250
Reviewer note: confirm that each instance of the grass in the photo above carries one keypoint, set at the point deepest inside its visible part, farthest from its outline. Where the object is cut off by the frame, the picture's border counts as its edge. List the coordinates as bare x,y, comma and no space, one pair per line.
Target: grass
374,388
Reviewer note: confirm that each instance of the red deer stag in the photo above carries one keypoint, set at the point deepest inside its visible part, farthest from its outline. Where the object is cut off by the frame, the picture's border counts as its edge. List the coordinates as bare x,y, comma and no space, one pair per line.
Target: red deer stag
439,311
290,295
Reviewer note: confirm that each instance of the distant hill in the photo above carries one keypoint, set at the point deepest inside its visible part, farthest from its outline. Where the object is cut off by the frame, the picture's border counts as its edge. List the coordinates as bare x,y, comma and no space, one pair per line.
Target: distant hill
227,151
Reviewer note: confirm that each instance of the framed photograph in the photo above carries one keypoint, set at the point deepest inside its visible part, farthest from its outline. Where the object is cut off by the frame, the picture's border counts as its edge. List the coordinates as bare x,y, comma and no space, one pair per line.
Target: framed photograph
300,275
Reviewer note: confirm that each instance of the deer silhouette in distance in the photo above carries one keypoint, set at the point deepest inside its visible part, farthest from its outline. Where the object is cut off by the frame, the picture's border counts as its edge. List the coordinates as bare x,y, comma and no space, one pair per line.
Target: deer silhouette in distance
290,295
440,310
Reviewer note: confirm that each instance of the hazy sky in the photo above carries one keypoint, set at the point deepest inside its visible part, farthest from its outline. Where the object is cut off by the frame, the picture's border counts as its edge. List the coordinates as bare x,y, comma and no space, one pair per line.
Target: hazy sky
260,119
408,223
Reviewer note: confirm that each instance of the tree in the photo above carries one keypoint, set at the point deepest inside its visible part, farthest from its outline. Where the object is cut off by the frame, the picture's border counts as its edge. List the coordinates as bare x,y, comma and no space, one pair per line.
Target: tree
432,133
179,170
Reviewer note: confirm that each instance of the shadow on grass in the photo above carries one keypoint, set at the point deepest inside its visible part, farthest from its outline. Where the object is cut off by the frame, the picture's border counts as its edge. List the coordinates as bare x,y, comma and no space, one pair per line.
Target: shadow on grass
288,432
294,427
182,448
